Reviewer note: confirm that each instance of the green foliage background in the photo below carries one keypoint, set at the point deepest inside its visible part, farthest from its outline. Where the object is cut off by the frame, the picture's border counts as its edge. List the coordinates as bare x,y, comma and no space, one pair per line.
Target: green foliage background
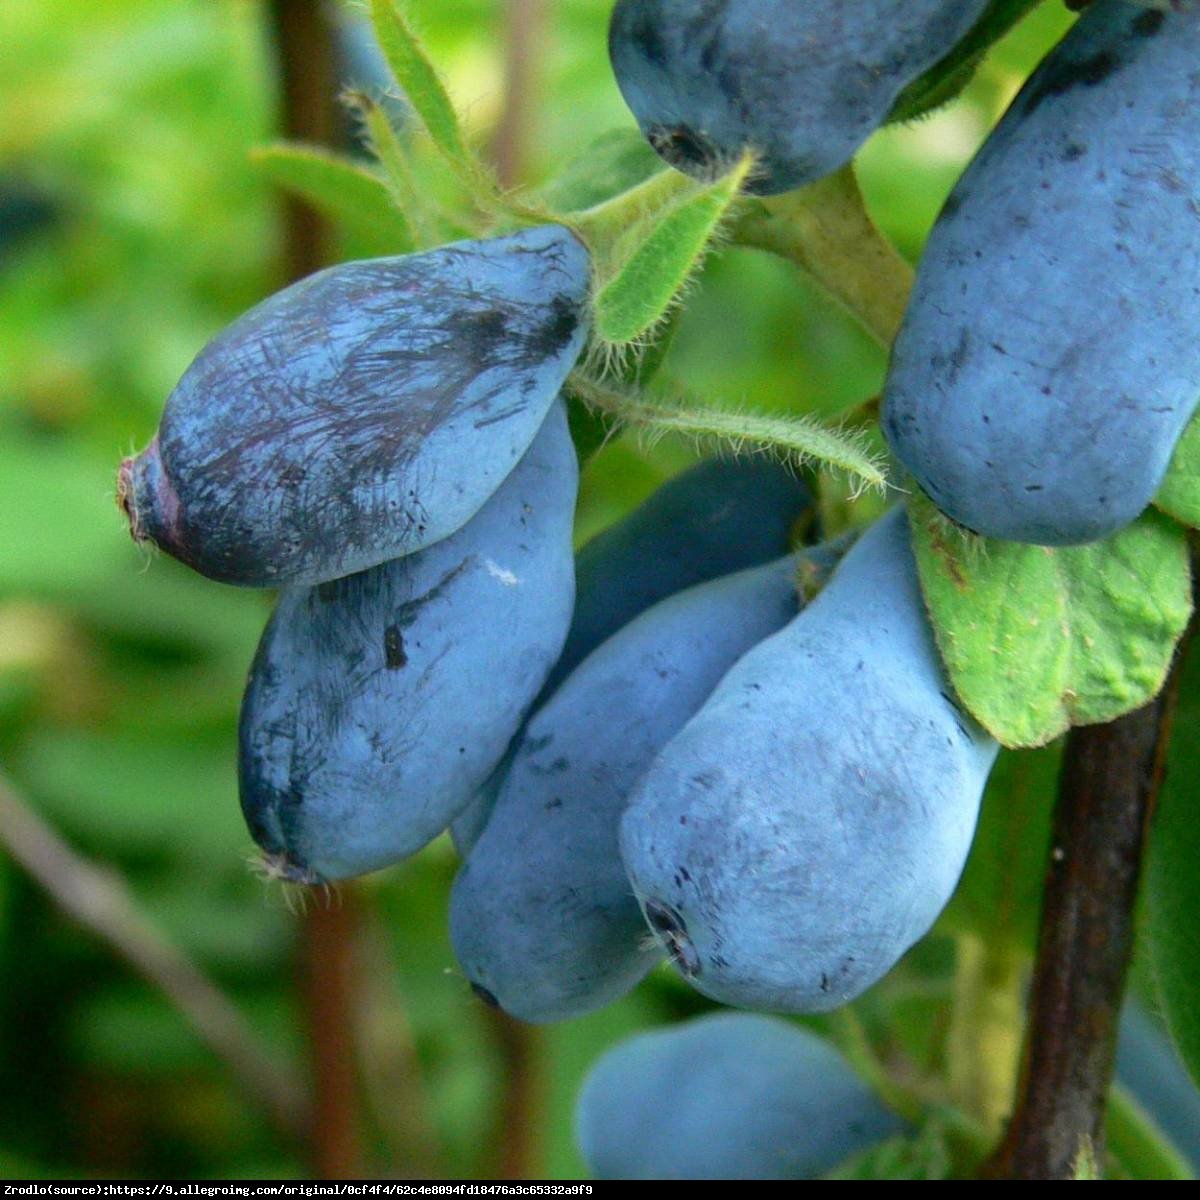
120,676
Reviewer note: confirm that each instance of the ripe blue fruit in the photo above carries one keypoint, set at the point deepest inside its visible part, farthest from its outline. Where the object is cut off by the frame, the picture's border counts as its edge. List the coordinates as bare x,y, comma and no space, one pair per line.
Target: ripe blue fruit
1049,359
726,1096
542,917
802,84
718,517
807,826
378,704
363,413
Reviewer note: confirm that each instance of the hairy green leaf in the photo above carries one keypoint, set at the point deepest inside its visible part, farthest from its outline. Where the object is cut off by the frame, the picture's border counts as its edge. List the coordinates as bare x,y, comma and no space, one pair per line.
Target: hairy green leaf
1037,640
397,172
794,439
659,256
419,81
350,195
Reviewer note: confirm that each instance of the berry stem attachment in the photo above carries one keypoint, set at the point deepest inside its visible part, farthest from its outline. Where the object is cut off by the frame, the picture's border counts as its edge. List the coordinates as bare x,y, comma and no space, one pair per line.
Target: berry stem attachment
604,223
826,231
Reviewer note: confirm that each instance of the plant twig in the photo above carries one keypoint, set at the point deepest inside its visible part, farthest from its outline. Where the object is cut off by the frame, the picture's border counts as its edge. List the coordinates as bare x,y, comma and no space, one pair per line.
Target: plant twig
329,982
1108,788
826,231
514,1141
524,33
308,81
100,900
330,987
394,1086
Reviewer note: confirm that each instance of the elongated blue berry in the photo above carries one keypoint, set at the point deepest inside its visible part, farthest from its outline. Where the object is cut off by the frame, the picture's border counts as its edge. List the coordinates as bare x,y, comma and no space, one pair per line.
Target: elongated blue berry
1049,359
808,825
726,1096
363,413
379,703
802,82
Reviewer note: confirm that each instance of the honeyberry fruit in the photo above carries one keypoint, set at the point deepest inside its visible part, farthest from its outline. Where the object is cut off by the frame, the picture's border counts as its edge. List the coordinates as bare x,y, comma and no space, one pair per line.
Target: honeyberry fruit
717,517
1049,360
803,83
808,825
726,1096
379,703
363,413
542,916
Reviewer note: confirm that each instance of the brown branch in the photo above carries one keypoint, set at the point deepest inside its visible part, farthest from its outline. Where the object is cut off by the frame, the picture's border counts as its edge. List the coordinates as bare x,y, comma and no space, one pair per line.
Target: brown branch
307,109
330,987
1108,788
393,1083
514,1143
329,978
100,900
524,34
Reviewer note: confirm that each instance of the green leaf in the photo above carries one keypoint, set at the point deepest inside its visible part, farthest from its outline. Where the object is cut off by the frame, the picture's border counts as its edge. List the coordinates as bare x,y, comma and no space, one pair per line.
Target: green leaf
348,194
614,162
1180,492
419,81
1037,640
1137,1148
660,256
398,177
1173,880
946,78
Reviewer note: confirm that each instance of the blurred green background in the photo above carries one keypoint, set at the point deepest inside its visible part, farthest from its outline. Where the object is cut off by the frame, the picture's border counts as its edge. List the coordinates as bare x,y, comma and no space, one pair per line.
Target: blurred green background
125,125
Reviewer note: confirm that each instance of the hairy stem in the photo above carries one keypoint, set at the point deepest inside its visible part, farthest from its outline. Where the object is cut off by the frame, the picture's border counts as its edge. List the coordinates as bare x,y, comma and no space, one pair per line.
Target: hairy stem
795,439
100,900
827,232
1110,781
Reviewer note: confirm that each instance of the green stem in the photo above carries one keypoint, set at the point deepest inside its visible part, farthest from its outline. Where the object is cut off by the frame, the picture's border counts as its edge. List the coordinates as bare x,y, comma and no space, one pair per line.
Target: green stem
603,223
984,1043
827,232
